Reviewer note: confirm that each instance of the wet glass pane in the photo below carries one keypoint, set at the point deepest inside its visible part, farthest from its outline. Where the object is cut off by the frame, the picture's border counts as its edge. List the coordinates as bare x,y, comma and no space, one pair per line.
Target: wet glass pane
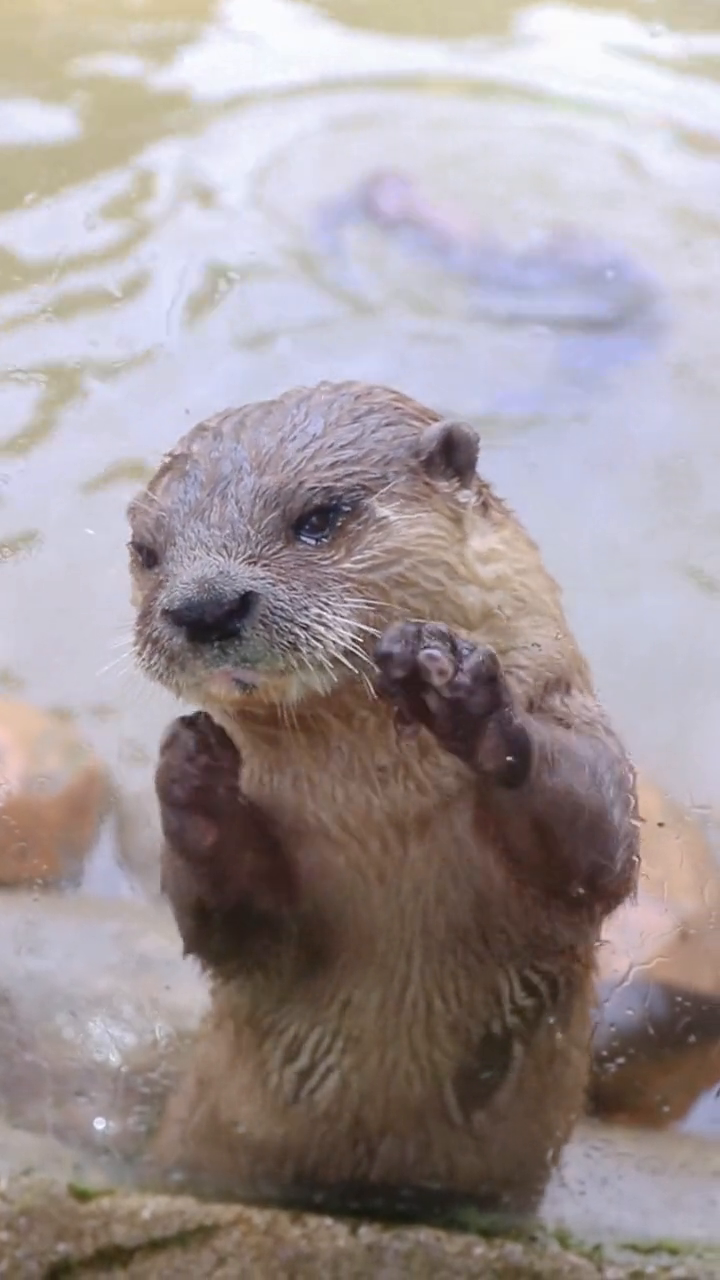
366,932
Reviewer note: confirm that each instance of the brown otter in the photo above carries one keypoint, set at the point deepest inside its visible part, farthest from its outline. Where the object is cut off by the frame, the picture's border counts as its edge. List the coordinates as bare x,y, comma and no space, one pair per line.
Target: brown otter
398,823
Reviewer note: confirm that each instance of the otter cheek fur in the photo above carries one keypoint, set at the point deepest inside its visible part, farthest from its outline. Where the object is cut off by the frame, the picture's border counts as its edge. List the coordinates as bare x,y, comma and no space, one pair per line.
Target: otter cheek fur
396,822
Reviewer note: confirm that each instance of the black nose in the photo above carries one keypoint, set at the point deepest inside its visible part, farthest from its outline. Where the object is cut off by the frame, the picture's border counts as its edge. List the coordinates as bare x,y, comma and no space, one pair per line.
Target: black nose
212,618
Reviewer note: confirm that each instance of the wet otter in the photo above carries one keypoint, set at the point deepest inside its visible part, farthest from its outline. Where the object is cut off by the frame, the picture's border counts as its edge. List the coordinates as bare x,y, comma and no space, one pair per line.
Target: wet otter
398,821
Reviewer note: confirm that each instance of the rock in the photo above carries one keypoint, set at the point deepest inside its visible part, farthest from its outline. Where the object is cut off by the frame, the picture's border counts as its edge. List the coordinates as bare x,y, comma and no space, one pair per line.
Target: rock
96,1005
49,1232
54,795
613,1189
657,1042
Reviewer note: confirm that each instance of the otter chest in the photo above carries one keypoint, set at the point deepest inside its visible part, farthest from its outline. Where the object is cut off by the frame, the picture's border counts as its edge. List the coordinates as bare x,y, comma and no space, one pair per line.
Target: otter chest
348,790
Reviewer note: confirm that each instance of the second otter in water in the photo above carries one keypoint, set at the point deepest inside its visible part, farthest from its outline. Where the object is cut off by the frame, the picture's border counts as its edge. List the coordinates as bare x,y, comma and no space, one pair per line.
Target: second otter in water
396,826
565,279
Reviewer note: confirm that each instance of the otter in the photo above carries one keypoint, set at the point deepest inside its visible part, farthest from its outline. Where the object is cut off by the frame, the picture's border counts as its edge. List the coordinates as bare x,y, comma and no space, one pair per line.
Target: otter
604,309
394,822
565,279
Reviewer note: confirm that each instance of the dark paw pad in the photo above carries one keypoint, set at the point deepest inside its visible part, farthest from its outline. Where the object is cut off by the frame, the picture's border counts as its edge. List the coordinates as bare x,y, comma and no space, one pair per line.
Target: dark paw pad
435,679
196,781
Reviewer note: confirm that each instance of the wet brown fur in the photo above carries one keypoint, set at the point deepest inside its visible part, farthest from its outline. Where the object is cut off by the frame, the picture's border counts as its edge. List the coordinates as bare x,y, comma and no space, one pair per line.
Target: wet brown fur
400,945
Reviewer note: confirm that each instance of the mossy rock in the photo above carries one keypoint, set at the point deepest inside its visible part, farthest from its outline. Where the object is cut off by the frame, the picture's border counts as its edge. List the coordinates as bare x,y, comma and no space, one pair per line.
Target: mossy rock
49,1233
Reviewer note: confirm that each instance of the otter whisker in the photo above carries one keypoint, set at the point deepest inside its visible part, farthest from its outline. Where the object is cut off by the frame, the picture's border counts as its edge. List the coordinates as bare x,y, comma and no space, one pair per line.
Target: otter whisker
122,641
350,645
370,687
363,602
289,718
114,664
340,657
366,630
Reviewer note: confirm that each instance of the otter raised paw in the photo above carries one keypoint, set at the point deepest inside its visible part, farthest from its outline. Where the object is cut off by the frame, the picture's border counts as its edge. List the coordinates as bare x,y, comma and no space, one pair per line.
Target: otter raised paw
223,869
570,826
456,690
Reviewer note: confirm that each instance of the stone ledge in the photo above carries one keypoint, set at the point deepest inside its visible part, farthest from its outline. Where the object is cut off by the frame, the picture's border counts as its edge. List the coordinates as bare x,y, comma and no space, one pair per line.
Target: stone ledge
49,1232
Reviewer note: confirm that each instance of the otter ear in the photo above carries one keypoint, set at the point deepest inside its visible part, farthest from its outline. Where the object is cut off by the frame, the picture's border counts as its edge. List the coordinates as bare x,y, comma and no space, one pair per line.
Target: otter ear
449,451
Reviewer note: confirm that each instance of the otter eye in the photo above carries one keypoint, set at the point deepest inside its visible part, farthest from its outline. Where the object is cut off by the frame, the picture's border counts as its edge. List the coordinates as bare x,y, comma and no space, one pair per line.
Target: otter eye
147,556
319,524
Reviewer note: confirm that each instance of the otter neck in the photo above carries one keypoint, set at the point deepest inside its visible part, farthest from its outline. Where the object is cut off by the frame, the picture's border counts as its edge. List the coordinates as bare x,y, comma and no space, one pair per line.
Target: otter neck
288,755
348,707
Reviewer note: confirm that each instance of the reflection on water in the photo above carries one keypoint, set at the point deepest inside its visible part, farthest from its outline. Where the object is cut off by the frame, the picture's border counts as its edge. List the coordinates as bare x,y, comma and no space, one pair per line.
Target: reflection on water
161,162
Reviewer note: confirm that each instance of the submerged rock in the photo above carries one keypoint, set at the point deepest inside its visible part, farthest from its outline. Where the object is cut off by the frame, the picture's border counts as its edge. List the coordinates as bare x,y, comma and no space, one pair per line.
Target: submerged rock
22,1152
96,1003
657,1040
54,795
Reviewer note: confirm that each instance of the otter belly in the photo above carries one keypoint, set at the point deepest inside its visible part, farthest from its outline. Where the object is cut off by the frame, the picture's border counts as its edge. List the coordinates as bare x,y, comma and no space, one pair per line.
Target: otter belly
432,1046
289,1108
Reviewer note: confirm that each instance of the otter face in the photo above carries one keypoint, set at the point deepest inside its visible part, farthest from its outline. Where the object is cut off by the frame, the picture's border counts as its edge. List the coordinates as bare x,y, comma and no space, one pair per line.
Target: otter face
276,541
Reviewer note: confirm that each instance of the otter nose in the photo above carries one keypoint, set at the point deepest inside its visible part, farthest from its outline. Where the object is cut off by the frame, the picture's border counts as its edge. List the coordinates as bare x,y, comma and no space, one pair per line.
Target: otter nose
212,618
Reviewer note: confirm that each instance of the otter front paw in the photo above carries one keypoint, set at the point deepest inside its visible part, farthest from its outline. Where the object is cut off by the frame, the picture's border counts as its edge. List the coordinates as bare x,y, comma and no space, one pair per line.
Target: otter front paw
457,691
197,781
221,852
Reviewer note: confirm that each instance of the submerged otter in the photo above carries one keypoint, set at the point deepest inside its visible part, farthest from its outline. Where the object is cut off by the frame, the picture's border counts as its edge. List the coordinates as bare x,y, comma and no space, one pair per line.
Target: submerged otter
565,279
396,825
604,308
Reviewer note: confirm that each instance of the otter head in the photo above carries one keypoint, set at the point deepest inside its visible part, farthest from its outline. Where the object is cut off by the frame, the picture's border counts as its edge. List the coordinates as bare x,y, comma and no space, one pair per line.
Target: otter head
277,540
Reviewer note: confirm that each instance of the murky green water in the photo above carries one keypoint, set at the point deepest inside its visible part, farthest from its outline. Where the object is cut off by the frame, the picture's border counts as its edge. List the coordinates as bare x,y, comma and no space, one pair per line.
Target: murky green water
161,162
